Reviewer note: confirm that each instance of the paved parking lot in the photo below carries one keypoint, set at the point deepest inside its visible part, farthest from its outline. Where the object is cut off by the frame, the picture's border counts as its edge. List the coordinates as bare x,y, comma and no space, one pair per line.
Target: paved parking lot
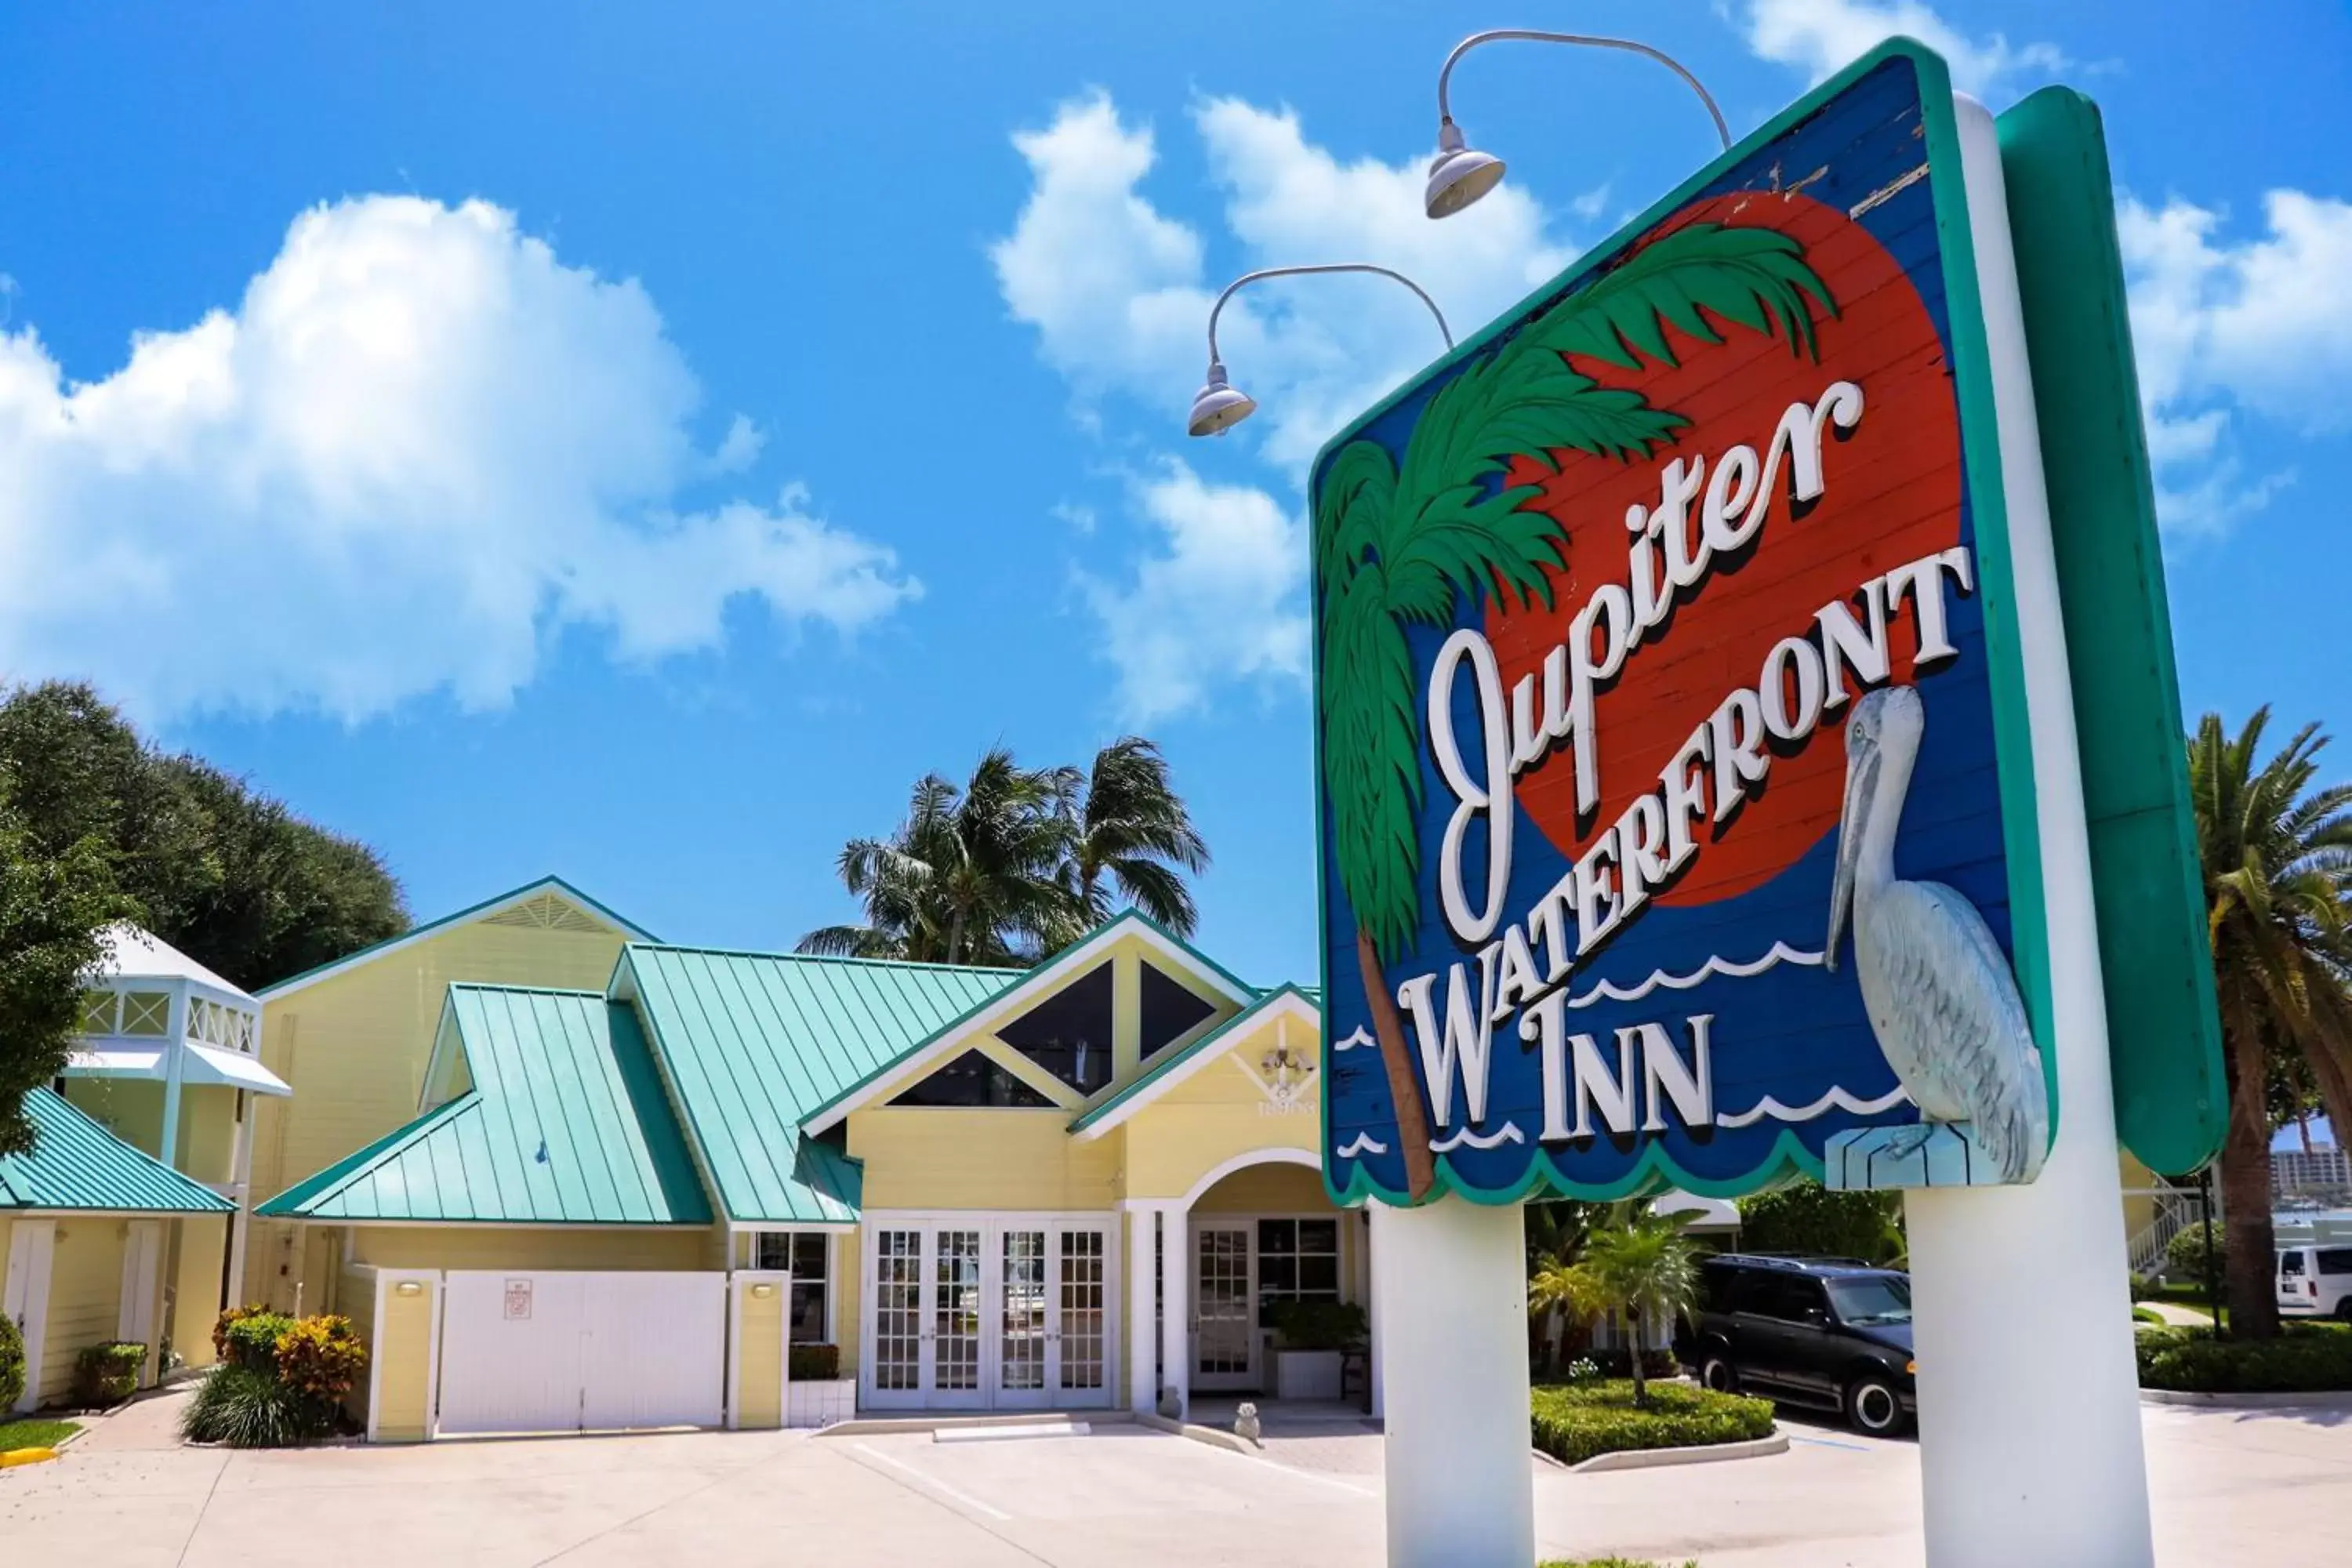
2229,1487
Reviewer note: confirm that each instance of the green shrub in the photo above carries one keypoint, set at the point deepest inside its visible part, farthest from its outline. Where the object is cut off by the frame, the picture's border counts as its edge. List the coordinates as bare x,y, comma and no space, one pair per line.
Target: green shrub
249,1409
1575,1423
1807,1219
1318,1325
2306,1359
2184,1254
1617,1361
12,1364
108,1374
248,1336
813,1364
320,1357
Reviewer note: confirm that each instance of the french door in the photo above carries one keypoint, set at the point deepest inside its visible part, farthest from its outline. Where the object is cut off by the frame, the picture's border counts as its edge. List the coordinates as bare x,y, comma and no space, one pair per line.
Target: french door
1225,1305
1006,1312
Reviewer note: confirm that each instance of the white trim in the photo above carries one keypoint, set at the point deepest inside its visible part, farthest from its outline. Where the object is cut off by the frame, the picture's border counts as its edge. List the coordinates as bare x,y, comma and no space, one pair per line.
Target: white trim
1279,1008
139,1303
1018,996
32,1256
1272,1155
628,932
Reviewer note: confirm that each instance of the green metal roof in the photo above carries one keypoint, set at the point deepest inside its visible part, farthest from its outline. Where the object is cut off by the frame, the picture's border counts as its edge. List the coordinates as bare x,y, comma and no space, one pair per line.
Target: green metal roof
566,1124
752,1042
1174,1059
627,928
75,1163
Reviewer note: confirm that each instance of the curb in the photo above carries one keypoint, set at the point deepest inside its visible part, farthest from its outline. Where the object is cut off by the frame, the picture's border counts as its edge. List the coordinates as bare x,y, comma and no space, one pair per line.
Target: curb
1706,1454
16,1456
1214,1437
873,1425
2334,1400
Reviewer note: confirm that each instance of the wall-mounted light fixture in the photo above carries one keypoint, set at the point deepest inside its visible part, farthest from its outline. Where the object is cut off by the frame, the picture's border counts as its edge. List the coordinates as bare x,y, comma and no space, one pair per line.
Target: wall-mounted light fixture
1218,406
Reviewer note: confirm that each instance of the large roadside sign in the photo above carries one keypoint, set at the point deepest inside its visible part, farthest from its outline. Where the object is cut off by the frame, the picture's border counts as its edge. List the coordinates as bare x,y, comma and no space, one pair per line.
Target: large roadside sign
1677,789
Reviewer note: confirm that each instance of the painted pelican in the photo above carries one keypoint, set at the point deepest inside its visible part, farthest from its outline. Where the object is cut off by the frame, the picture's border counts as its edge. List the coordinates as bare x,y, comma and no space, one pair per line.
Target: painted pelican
1940,995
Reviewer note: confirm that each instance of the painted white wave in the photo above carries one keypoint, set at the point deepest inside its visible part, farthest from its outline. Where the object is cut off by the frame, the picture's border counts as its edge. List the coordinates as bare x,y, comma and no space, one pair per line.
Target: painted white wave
1356,1041
1835,1100
1781,953
1509,1133
1363,1143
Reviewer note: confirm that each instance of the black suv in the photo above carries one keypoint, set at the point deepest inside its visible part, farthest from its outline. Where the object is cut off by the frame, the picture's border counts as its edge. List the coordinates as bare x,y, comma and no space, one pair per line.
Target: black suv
1830,1332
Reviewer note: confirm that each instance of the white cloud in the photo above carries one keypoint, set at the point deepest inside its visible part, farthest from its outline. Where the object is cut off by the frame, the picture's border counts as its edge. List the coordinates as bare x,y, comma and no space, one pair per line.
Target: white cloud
740,448
2263,325
1119,292
1822,37
417,449
1217,598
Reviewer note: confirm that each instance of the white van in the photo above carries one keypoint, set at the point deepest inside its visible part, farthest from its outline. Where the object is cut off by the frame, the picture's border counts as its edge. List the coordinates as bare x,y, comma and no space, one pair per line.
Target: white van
2315,1282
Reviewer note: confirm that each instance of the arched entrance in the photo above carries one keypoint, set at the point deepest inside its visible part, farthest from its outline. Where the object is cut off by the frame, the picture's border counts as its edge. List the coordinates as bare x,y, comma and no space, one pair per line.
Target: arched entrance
1252,1230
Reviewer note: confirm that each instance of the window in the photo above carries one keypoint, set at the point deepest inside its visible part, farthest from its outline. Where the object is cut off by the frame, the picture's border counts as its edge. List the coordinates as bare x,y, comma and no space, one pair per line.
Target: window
1069,1035
2336,1260
1788,1297
972,1079
808,1254
1297,1260
147,1013
1872,1299
1169,1011
2291,1262
97,1012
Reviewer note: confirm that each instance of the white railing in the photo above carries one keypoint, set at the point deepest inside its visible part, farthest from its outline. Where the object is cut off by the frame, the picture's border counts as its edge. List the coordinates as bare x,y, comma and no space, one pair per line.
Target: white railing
2177,1208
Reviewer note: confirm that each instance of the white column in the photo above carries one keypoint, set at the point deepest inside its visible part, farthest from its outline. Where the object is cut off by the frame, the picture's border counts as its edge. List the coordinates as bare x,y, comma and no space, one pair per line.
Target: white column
2029,1403
175,1030
1143,1345
241,1181
1373,1311
1461,1484
1176,1311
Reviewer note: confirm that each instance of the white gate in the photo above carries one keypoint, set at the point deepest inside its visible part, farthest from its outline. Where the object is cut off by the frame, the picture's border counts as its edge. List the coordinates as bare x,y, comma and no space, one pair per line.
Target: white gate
562,1351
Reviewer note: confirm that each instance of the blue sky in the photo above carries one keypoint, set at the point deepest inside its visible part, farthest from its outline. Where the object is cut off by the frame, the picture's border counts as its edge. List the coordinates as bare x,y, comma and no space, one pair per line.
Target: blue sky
636,443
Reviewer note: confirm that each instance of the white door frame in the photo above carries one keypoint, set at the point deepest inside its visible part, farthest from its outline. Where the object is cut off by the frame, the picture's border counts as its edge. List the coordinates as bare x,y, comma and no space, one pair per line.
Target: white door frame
142,1269
991,1226
32,1252
1245,1226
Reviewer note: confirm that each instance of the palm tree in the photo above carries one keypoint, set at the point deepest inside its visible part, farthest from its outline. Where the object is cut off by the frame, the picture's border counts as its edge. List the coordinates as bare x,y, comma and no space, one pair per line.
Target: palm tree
2277,861
1398,544
972,876
1641,1263
1129,829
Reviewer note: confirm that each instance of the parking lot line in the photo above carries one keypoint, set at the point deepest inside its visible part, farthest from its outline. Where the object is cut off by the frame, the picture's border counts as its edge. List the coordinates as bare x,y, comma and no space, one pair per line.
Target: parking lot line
933,1483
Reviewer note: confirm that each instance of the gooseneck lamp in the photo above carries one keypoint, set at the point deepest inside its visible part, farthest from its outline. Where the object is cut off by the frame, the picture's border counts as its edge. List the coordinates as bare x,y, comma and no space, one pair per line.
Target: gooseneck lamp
1220,406
1460,173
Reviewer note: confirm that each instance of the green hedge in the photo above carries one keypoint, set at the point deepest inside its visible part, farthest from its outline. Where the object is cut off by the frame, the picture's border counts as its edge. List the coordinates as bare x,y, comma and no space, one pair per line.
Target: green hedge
108,1374
1575,1423
2307,1358
2184,1254
12,1364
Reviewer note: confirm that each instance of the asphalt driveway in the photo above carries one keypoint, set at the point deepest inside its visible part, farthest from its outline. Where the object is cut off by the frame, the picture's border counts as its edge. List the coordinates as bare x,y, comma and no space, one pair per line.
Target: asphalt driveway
2229,1486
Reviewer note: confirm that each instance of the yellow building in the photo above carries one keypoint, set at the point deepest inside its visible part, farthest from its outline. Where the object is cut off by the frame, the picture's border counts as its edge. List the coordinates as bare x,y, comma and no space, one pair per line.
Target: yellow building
1089,1184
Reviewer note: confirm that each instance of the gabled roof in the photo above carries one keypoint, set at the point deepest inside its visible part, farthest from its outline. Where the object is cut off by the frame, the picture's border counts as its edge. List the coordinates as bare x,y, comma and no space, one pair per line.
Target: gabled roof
986,1012
76,1164
566,1124
1179,1065
136,954
486,909
752,1042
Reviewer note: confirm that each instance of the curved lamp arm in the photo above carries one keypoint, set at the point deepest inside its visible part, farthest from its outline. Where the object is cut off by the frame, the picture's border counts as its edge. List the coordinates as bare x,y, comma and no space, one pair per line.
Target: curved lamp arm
1445,115
1215,310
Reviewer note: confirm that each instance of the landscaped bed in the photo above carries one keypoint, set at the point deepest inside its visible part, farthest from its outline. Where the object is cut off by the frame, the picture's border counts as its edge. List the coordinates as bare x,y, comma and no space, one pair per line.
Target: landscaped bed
1580,1421
2308,1358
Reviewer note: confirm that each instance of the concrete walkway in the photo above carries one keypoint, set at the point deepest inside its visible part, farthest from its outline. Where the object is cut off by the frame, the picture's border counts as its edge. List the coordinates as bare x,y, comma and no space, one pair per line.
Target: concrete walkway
2237,1487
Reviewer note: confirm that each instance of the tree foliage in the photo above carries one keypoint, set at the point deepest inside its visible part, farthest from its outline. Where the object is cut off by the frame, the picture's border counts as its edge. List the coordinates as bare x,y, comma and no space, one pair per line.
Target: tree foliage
1641,1263
2275,848
1807,1219
52,910
1016,863
221,871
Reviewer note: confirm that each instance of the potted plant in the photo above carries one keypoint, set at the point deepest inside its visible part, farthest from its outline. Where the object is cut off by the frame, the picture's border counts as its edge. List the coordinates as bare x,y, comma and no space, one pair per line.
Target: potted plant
817,1394
1309,1339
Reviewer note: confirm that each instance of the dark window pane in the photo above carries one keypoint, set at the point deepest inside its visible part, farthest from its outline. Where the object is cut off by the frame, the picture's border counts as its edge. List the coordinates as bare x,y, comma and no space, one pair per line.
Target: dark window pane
972,1079
808,1313
2290,1262
1319,1274
2336,1260
1318,1236
1169,1010
1277,1236
1277,1276
808,1256
1069,1036
774,1251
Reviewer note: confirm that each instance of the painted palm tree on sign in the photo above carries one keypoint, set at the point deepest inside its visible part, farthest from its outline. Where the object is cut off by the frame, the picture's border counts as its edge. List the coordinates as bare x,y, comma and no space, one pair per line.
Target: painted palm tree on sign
1400,542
